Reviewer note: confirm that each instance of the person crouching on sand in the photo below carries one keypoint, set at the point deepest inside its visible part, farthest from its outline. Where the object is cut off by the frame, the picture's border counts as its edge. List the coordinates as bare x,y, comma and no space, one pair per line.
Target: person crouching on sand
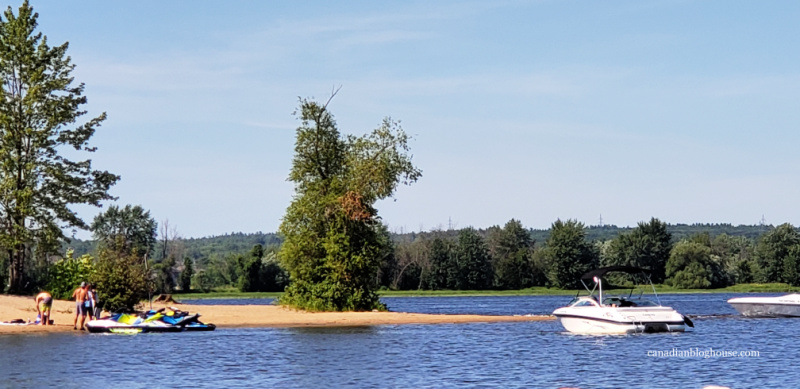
46,301
80,296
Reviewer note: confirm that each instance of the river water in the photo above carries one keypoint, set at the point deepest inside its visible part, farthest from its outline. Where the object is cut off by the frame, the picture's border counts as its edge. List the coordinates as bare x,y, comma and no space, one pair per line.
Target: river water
480,355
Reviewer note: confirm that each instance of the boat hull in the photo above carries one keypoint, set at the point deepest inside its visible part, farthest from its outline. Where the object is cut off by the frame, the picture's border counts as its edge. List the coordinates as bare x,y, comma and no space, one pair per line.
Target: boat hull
784,306
594,326
617,321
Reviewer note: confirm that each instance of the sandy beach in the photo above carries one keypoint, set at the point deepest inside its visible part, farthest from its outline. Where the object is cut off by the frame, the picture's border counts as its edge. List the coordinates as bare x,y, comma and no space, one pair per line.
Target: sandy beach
229,316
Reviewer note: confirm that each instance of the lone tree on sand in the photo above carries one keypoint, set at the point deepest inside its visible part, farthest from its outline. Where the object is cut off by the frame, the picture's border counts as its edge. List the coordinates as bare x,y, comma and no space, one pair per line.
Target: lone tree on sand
331,229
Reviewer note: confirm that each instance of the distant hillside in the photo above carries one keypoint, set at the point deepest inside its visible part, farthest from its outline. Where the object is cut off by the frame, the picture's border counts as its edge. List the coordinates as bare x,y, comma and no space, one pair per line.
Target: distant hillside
228,244
237,243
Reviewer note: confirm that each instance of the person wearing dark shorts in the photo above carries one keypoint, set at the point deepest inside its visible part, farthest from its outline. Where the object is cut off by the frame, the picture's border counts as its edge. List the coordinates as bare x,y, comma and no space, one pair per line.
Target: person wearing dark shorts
80,297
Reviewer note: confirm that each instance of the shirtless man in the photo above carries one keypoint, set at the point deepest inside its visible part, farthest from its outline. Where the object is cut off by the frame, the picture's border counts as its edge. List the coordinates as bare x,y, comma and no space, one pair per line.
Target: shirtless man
46,301
80,296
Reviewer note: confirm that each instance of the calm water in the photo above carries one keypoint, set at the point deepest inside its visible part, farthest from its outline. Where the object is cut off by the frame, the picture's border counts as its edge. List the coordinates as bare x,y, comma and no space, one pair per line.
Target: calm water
508,355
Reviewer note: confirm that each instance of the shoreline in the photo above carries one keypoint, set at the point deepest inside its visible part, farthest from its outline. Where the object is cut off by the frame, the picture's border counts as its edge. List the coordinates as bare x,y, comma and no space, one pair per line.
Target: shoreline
245,316
538,291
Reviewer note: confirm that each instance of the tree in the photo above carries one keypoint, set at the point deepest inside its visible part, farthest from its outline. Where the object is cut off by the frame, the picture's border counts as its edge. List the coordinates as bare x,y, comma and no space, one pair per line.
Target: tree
163,277
439,259
67,273
274,277
568,255
410,259
250,281
474,264
39,113
511,249
647,246
773,250
132,227
332,247
691,266
185,280
121,279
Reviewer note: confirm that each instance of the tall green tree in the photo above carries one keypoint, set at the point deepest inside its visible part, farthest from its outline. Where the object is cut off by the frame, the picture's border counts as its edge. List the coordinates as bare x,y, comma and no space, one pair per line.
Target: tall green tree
251,266
332,248
474,264
691,266
185,279
511,250
647,246
568,255
131,227
439,259
40,110
776,255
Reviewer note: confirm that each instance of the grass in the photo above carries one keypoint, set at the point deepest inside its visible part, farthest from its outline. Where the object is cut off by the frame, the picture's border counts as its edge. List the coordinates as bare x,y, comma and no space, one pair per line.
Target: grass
232,293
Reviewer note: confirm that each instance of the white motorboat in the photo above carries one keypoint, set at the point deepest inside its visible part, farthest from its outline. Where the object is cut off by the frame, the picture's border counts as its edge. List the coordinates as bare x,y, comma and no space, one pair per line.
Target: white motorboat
781,306
626,313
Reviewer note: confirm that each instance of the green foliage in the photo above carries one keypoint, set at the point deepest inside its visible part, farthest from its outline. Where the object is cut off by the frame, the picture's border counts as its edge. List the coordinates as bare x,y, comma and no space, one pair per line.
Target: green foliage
122,280
647,246
511,249
185,279
439,258
568,255
691,266
203,281
163,275
333,247
261,272
39,119
274,277
132,228
474,265
67,274
773,250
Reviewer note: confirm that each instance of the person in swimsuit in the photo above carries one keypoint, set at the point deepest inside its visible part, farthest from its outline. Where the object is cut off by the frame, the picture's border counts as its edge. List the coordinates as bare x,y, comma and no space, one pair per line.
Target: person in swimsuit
89,303
80,296
96,303
44,303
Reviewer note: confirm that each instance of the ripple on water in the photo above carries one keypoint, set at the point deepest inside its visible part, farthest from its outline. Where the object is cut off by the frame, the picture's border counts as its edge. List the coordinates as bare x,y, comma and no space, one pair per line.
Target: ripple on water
509,355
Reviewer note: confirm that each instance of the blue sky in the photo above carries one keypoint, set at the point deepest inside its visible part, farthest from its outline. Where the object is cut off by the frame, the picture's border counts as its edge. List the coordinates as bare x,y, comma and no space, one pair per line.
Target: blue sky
536,110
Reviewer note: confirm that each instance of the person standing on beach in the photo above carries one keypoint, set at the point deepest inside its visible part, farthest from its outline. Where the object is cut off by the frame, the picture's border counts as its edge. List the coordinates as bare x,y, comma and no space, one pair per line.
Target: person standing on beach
80,296
46,301
96,303
89,303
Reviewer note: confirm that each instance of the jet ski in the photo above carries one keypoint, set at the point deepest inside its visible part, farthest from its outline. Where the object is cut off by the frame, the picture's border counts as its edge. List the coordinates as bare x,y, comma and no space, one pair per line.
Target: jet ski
183,319
174,320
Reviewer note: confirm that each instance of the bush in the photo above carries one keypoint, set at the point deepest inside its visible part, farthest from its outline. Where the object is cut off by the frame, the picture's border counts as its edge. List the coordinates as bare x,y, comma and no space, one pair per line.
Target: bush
121,280
67,273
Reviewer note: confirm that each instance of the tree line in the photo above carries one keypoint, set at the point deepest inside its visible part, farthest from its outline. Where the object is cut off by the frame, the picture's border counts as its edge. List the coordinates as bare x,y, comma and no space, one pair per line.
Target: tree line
333,252
509,258
500,258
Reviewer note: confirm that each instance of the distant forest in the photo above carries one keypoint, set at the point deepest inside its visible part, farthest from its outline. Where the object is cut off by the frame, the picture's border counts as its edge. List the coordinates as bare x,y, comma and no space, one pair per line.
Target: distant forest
241,243
509,257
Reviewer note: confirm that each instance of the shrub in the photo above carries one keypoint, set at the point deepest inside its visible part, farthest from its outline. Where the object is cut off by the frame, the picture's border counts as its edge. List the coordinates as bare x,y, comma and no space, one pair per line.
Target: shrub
67,273
121,280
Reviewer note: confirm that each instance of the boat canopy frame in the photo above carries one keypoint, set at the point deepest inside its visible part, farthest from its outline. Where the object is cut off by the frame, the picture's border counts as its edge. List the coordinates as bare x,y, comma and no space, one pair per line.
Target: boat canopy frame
597,274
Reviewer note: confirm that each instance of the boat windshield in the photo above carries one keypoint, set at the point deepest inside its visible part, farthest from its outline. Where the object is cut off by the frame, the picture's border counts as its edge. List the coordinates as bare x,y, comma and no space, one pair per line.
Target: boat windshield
626,301
583,302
